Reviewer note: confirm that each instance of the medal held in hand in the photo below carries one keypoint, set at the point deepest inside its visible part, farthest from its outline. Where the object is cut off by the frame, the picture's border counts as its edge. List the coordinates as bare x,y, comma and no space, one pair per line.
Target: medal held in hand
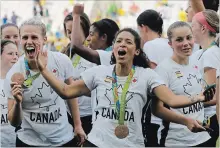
121,131
18,77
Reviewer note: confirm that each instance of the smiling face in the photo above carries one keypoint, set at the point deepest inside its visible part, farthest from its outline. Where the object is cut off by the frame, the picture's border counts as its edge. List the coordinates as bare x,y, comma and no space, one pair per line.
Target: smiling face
11,33
9,55
124,48
182,41
32,40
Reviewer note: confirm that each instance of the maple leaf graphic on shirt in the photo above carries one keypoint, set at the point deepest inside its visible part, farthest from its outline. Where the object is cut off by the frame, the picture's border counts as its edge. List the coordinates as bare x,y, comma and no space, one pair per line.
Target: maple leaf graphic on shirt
44,90
110,98
188,87
3,106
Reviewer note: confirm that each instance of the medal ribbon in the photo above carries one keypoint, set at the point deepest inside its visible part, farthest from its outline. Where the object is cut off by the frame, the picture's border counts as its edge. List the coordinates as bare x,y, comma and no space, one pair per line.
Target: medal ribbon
120,105
30,79
77,58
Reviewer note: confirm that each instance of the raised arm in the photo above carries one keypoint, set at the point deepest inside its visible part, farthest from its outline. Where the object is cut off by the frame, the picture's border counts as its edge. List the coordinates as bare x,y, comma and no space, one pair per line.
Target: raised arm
197,5
175,101
77,40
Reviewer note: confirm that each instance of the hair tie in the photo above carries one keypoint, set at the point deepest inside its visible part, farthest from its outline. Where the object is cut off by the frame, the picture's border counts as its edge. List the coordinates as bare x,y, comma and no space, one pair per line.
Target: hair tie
201,18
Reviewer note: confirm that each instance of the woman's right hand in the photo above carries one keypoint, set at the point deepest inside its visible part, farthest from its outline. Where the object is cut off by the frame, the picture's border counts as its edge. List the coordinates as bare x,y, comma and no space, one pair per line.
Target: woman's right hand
194,125
16,91
78,9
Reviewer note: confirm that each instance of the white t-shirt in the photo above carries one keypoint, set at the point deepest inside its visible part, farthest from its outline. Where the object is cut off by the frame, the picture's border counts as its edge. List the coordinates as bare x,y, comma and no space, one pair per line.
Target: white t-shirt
84,102
182,80
102,133
8,135
157,50
45,121
105,57
208,58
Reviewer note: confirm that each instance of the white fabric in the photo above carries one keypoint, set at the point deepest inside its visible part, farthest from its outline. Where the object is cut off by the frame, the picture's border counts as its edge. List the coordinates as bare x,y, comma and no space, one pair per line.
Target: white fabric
45,121
183,80
207,58
157,50
84,102
8,135
100,78
105,57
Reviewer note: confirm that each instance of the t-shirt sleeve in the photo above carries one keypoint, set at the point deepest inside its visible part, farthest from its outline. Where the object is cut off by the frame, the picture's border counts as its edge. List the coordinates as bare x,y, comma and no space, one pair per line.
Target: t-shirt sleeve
65,65
163,73
105,57
150,52
211,59
153,80
89,77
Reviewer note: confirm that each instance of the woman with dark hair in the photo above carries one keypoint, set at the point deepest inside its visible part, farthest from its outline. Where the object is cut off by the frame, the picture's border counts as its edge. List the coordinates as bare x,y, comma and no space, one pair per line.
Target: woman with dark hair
67,24
9,56
150,26
79,66
101,36
122,91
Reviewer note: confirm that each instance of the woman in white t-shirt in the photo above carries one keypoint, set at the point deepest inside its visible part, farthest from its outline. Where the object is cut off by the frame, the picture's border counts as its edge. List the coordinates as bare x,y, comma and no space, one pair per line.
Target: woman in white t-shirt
38,112
205,27
101,36
183,79
79,65
9,56
129,80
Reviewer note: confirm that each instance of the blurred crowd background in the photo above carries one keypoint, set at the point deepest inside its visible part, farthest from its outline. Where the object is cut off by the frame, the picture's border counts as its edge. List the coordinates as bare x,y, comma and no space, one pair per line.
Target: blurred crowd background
52,12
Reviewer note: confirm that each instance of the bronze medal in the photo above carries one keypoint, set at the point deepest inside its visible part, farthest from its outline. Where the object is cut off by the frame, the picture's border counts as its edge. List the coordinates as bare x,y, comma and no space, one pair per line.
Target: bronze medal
18,77
121,131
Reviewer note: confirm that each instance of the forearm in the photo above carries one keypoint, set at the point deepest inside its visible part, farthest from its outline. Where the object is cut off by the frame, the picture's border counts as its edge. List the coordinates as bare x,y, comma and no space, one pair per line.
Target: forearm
74,109
210,103
197,5
170,116
15,114
179,101
77,43
59,86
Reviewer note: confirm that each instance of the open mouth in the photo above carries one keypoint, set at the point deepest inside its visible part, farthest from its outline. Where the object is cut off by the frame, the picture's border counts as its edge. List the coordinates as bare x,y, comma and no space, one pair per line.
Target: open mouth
30,51
121,52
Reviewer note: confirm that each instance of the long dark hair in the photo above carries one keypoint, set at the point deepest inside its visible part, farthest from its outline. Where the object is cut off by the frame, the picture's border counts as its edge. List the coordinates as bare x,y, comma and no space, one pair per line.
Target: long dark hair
140,60
152,19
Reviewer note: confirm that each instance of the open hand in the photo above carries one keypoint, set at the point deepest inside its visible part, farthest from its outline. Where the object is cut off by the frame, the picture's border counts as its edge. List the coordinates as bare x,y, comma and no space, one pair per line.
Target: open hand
41,59
78,9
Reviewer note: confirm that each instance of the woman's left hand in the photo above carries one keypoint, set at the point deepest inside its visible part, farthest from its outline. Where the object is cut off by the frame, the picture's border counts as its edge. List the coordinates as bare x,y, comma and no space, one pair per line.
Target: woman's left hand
41,59
80,134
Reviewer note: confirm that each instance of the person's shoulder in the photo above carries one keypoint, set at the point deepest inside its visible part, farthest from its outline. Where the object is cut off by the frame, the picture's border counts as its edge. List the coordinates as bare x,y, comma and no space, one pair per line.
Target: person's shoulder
165,64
